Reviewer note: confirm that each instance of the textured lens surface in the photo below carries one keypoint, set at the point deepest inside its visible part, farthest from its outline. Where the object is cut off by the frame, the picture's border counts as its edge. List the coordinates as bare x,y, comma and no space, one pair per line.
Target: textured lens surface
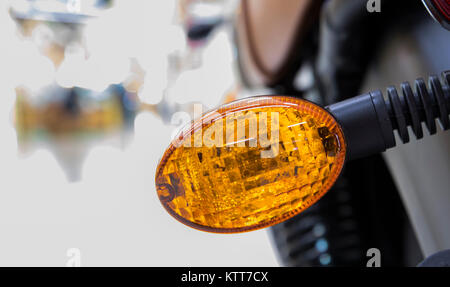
231,187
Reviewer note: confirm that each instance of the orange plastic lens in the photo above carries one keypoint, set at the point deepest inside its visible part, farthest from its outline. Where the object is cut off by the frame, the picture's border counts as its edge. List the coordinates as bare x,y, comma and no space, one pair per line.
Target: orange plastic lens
251,164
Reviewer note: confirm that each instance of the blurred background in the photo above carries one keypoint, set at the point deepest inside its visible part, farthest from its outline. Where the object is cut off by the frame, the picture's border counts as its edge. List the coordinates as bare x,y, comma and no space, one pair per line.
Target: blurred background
91,93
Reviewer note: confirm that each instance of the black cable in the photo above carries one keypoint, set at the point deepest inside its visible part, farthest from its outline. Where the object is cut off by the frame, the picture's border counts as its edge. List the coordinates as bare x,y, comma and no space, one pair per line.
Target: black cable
369,120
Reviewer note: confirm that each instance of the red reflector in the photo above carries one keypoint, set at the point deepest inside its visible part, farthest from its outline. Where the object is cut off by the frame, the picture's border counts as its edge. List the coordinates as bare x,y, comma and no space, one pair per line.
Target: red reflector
440,10
444,7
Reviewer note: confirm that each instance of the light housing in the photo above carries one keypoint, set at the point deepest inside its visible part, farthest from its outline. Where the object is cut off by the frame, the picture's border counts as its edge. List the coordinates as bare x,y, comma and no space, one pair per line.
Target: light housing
251,164
440,10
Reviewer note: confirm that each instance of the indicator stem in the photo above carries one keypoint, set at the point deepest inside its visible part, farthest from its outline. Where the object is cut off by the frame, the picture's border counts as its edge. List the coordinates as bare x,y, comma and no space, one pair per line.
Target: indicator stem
369,120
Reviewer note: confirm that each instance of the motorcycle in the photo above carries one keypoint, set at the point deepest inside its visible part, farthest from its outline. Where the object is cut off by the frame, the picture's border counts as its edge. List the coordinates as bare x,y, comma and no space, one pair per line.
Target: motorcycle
383,201
390,205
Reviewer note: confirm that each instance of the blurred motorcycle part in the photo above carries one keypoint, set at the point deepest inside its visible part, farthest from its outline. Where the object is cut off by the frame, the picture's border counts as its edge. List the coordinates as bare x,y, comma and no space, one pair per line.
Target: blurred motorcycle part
440,10
273,40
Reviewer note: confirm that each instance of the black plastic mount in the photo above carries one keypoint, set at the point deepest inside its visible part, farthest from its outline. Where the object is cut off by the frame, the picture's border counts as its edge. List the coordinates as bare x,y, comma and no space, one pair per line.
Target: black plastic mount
369,120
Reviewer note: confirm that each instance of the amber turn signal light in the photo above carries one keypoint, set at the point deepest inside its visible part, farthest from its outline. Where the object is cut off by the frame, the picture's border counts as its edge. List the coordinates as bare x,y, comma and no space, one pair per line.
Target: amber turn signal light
251,164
